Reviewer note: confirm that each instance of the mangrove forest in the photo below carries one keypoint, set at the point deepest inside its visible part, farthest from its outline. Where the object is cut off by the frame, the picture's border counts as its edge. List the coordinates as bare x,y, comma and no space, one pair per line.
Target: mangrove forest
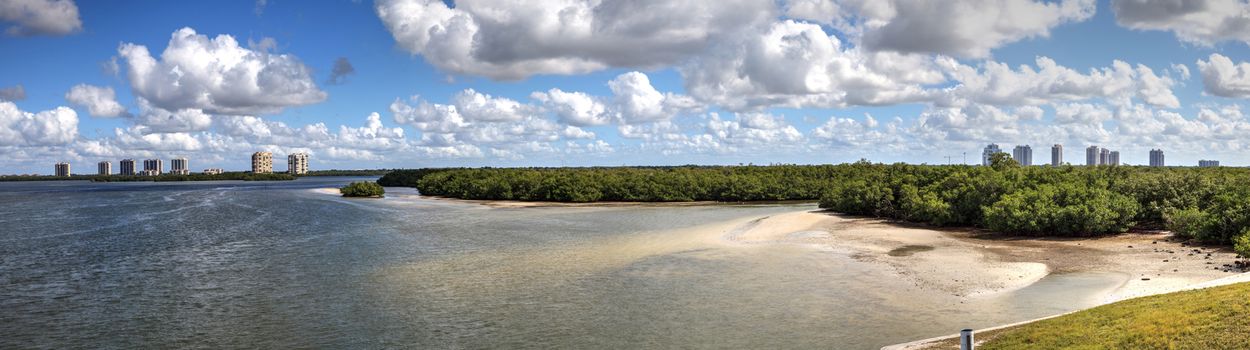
1204,204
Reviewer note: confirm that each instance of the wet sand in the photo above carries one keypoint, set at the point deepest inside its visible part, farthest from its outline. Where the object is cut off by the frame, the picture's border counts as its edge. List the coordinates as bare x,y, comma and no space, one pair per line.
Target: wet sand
973,264
969,263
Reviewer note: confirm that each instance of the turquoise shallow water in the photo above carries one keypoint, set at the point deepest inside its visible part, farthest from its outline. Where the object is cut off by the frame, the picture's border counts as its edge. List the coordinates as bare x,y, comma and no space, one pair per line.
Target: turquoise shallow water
280,265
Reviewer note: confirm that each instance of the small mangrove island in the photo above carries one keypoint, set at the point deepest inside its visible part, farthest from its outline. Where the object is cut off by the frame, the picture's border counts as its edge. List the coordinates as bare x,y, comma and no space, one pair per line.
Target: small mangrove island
363,189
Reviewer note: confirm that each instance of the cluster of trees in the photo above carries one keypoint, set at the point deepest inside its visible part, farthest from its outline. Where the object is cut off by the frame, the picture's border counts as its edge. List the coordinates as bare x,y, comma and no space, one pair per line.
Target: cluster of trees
7,178
363,189
407,177
232,176
338,172
632,184
1206,204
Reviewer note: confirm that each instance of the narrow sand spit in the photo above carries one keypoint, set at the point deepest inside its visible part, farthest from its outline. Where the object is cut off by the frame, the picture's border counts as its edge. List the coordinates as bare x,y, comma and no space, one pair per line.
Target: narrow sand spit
974,264
971,264
931,259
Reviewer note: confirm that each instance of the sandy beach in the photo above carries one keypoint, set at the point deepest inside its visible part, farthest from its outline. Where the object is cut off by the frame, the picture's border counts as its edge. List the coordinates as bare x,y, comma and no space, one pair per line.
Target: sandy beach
973,264
970,263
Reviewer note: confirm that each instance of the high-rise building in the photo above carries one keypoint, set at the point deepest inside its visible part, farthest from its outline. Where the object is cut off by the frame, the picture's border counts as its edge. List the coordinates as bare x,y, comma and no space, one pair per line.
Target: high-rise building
262,163
1103,156
1091,155
990,150
1056,155
1208,163
61,170
104,168
1023,155
153,167
297,164
179,166
126,167
1113,158
1156,157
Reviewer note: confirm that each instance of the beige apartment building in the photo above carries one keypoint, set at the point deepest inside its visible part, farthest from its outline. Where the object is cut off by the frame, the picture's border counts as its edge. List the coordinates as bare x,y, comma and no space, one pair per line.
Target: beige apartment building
262,163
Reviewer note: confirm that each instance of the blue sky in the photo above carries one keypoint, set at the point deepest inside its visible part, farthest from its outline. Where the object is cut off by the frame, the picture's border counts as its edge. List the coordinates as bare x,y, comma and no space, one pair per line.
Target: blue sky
612,83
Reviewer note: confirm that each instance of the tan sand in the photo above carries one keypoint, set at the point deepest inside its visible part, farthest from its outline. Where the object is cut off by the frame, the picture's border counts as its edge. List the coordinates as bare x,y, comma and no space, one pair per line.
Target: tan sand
931,259
974,264
971,263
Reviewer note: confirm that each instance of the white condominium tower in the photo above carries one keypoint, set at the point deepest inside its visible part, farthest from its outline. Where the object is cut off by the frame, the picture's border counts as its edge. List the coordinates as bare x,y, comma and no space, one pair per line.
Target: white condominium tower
179,166
1156,157
127,167
1113,158
1056,155
1023,155
1091,155
61,169
989,151
262,163
153,167
104,168
297,163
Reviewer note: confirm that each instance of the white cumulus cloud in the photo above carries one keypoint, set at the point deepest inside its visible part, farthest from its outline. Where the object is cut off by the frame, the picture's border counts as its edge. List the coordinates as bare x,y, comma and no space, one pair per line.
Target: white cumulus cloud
999,84
52,127
516,39
1222,77
796,64
1203,22
968,28
40,17
218,76
574,108
99,101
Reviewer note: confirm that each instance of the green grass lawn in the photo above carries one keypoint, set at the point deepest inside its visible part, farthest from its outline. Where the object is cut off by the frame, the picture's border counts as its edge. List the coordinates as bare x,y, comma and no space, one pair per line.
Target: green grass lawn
1213,318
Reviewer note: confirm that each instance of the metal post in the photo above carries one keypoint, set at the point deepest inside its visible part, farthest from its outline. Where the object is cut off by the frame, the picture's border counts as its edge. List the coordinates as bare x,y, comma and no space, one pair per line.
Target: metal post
965,340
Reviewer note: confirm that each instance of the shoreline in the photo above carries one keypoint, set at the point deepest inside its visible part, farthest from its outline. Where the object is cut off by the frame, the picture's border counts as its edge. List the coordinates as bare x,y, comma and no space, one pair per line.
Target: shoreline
496,203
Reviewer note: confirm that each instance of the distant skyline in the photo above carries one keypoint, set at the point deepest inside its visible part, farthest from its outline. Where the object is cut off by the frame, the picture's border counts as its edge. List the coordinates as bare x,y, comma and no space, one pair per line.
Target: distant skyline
412,83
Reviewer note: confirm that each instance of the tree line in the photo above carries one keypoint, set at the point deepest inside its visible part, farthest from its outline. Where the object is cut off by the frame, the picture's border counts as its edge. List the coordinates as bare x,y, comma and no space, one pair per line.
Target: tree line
231,176
1205,204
